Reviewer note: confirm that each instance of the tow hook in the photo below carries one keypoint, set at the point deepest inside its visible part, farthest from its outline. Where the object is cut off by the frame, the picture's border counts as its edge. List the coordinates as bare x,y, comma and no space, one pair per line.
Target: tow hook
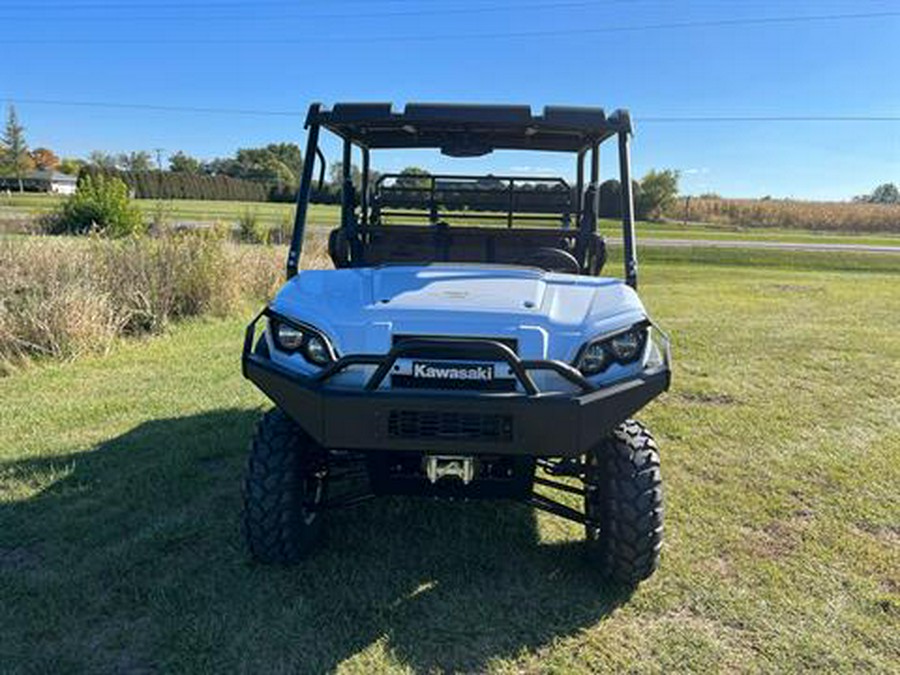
441,466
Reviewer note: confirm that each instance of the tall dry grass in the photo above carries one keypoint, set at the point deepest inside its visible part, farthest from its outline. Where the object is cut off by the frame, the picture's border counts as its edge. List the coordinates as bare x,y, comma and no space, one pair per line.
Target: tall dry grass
775,213
63,296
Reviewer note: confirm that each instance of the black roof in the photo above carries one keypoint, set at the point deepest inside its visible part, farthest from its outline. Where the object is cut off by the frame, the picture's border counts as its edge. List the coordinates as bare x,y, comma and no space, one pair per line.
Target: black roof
469,129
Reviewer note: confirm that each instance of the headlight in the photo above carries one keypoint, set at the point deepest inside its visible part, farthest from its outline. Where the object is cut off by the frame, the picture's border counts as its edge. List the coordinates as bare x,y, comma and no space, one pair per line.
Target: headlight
623,348
288,337
626,347
594,359
314,346
317,350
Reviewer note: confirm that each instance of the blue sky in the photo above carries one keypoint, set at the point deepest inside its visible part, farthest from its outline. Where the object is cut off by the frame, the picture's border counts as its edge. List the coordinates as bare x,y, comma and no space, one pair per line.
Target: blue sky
274,55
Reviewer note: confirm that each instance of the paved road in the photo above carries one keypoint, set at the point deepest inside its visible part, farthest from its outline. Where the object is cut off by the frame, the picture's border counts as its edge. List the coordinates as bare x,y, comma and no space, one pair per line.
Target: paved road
779,245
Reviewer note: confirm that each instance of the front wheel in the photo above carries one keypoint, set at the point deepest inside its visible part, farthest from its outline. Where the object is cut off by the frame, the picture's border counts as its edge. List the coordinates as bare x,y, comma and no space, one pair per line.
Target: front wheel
284,484
624,501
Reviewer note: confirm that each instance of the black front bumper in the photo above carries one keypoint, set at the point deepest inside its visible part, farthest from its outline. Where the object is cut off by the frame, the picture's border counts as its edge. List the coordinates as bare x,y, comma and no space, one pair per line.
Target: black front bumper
510,423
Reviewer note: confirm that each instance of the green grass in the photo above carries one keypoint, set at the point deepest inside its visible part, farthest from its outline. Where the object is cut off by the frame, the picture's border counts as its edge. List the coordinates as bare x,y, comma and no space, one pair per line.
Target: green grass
670,230
270,214
119,503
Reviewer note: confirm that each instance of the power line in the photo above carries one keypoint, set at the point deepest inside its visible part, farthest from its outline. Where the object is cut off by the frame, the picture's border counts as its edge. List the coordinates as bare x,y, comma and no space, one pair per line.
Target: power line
277,4
771,118
297,114
203,110
280,16
675,25
175,4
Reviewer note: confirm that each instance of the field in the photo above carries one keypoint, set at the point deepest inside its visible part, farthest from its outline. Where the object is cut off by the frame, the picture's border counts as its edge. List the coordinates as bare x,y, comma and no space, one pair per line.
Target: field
17,210
790,214
119,502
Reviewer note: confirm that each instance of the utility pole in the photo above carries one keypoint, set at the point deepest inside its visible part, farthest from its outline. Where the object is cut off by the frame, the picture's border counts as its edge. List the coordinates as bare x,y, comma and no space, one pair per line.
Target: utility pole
159,152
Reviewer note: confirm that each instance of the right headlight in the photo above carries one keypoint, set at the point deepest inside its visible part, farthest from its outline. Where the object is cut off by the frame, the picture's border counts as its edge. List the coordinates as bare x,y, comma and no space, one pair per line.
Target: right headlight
623,347
313,345
288,338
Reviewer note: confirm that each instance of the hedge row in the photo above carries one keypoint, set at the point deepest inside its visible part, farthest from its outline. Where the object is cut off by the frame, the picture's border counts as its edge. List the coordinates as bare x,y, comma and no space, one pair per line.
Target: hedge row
173,185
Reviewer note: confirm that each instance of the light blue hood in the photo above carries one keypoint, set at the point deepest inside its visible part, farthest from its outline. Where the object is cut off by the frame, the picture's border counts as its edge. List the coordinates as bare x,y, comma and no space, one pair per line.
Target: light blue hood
552,315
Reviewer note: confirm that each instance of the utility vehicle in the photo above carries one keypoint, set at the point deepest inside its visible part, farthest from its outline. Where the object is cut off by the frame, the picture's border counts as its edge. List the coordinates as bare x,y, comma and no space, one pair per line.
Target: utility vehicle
466,344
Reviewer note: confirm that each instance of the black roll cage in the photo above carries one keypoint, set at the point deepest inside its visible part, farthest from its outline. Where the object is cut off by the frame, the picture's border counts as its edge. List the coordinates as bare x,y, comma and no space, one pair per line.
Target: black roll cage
469,130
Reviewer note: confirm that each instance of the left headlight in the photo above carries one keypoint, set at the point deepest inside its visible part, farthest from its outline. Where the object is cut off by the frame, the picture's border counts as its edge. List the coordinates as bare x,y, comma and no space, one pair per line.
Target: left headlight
623,347
312,344
317,350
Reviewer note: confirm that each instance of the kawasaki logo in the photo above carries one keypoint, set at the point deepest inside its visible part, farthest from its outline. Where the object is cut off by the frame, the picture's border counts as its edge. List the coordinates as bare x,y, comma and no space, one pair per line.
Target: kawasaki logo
463,371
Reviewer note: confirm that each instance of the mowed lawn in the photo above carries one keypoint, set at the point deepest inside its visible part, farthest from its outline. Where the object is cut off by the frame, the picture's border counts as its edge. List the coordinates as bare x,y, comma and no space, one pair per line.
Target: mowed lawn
17,207
119,504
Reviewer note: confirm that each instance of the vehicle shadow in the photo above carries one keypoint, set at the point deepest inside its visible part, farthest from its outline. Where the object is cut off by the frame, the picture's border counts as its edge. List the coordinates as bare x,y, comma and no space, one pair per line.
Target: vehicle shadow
128,556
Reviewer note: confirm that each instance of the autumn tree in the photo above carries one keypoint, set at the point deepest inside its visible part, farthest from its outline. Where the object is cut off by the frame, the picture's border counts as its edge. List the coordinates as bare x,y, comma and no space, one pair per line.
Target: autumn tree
44,159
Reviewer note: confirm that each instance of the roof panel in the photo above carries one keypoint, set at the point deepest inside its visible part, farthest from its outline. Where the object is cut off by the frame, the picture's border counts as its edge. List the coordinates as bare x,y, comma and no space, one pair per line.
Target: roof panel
478,114
439,125
355,112
575,117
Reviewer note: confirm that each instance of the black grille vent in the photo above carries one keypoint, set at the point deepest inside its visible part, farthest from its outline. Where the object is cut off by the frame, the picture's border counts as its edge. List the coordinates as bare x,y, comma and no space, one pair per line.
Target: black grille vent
431,424
512,343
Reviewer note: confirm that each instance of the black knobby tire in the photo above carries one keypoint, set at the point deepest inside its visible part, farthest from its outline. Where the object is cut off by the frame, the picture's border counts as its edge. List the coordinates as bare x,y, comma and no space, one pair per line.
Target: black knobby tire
284,478
624,495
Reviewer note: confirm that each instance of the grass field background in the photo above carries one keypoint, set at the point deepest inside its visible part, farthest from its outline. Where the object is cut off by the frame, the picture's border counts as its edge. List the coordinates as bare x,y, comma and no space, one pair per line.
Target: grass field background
119,503
17,209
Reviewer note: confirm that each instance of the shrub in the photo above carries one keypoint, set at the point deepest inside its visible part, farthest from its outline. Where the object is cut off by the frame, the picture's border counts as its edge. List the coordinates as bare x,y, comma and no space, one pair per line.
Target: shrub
250,229
281,233
102,204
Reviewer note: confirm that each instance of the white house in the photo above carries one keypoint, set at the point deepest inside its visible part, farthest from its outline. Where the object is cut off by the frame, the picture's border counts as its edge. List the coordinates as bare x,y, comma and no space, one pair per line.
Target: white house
42,181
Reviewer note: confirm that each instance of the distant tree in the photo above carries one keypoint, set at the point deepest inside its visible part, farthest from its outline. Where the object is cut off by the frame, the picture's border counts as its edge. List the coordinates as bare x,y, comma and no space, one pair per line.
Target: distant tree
288,155
611,199
71,165
220,166
659,189
490,182
277,165
182,163
413,176
886,193
136,161
336,175
14,157
44,159
102,160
